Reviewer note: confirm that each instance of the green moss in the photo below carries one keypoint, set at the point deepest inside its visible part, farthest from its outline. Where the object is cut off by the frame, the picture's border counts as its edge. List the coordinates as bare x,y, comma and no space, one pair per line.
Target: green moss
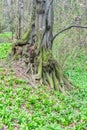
26,34
47,55
16,57
40,59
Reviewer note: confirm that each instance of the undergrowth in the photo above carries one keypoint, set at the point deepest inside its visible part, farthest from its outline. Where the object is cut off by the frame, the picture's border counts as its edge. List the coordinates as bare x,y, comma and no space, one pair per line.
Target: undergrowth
25,108
6,35
4,50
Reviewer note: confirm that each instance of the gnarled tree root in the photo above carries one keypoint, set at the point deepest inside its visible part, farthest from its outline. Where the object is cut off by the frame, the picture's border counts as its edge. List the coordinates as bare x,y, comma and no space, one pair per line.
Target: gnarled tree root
43,68
53,77
51,74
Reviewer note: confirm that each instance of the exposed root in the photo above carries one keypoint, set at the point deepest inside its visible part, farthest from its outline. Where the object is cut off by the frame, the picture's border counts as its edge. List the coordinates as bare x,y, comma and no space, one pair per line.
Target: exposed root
50,73
55,79
43,68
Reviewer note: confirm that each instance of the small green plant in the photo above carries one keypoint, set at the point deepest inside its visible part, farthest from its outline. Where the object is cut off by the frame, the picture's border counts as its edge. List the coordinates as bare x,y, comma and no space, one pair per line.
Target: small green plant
4,50
6,35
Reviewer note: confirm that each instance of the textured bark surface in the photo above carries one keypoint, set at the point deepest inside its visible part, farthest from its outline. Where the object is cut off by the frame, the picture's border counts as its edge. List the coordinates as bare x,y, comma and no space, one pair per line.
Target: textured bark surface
35,48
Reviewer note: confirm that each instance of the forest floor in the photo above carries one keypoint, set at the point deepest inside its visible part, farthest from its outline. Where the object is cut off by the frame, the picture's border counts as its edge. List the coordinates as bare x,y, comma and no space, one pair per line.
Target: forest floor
25,108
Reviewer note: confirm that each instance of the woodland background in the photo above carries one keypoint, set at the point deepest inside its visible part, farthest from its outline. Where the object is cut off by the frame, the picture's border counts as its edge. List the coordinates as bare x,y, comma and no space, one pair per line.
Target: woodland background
22,107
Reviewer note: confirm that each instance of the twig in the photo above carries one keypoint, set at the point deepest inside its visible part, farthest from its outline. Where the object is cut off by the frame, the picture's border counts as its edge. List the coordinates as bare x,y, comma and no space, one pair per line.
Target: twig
72,26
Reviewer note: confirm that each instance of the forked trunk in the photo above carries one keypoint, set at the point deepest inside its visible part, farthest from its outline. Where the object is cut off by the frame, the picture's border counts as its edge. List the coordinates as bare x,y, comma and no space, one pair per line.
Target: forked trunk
36,47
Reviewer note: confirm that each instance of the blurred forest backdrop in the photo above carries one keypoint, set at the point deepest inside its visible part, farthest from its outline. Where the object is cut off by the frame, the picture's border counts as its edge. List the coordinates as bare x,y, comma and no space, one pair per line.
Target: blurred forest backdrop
25,108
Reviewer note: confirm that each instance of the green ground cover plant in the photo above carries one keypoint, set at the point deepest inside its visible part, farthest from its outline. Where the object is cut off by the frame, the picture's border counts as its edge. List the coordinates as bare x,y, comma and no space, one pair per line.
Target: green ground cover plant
25,108
4,50
6,35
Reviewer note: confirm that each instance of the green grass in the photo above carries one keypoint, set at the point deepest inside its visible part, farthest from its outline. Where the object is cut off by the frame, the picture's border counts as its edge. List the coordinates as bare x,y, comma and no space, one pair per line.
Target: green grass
25,108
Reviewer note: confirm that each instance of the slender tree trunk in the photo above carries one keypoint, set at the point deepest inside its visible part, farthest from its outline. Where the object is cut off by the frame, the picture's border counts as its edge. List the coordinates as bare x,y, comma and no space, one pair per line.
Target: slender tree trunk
36,48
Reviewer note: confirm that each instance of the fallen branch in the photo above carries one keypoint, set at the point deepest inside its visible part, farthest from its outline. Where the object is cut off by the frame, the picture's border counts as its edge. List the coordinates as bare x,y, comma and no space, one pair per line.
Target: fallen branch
72,26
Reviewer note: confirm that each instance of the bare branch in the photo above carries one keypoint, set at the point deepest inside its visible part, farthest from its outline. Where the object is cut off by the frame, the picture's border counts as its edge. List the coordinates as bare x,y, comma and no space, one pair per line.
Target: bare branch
72,26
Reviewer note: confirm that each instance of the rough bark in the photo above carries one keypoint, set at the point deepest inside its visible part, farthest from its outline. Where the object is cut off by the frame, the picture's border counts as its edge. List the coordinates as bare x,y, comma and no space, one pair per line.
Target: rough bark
35,48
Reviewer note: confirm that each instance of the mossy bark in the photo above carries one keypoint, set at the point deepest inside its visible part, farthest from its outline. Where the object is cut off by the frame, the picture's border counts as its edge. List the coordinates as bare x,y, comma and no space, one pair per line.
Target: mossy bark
35,48
50,73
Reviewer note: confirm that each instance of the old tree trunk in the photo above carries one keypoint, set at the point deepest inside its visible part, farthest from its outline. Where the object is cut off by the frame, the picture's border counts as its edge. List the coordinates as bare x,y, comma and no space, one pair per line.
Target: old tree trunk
35,48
